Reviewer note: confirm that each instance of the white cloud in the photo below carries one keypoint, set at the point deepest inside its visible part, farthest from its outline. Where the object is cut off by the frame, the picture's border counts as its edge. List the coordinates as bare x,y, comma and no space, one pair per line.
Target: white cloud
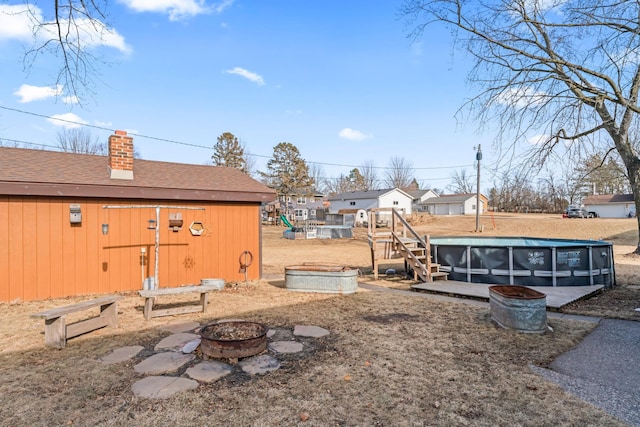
103,124
222,6
66,120
28,93
538,139
256,78
353,135
176,9
19,22
71,99
16,22
93,34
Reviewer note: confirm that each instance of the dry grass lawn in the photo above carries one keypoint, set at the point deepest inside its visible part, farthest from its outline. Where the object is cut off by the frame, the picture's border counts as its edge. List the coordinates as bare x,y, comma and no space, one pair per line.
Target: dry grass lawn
390,360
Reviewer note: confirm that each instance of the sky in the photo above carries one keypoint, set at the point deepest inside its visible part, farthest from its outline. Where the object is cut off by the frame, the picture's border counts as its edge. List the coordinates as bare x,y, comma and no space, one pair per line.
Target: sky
339,80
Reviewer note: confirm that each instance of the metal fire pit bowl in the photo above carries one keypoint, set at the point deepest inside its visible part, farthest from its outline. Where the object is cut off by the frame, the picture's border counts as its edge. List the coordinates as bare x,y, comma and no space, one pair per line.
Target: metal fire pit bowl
234,339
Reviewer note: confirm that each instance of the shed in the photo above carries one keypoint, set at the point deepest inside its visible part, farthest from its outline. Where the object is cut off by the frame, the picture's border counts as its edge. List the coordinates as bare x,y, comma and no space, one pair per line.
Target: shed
58,240
611,205
419,197
454,204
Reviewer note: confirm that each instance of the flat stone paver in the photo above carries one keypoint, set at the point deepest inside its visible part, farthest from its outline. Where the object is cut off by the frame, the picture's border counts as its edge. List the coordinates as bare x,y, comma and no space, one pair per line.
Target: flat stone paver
280,334
209,371
121,354
259,364
162,387
163,363
309,331
286,346
180,327
176,341
191,346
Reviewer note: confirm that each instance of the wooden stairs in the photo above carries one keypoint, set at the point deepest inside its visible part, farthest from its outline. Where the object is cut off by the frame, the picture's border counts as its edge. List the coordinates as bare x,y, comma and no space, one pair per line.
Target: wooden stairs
402,241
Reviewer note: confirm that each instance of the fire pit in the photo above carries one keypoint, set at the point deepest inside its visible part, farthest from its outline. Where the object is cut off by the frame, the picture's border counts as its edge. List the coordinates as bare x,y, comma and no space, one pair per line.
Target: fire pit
233,339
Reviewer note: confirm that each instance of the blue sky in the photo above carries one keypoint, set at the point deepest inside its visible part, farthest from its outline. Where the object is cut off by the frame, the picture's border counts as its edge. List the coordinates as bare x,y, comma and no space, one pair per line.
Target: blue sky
340,80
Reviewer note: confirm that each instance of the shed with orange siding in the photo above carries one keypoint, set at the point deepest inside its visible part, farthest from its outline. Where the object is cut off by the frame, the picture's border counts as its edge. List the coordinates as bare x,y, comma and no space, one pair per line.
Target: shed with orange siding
52,211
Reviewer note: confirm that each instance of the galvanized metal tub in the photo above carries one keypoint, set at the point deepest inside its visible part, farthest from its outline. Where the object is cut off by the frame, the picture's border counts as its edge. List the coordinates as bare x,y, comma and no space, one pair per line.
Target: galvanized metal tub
518,307
327,279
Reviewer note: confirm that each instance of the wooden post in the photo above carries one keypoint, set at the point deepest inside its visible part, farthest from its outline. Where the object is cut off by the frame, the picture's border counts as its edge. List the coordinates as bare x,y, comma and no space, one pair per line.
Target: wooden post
55,332
109,312
203,300
148,308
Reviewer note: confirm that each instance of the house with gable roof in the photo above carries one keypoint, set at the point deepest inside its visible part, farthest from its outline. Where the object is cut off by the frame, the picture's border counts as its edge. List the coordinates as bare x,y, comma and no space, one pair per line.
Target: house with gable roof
77,224
419,197
361,201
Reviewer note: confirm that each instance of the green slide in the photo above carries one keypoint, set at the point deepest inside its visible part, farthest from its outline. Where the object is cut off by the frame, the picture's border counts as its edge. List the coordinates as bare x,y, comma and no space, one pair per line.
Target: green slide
285,221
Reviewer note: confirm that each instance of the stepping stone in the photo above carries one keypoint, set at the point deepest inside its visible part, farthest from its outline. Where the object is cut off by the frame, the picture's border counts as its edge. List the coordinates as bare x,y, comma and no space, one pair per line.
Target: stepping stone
286,346
180,327
191,346
310,331
121,354
259,364
280,334
163,363
209,371
162,387
176,341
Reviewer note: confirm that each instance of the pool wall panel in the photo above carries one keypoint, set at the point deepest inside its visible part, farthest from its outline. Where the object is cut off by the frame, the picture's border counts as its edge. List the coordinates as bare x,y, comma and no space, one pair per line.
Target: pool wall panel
525,261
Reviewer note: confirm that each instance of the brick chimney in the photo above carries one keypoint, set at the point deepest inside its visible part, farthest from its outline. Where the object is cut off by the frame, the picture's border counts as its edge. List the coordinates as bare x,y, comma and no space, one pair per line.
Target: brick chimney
120,155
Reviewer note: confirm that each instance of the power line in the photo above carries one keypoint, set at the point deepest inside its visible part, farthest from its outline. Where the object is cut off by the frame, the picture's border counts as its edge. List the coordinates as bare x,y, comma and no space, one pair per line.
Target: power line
172,141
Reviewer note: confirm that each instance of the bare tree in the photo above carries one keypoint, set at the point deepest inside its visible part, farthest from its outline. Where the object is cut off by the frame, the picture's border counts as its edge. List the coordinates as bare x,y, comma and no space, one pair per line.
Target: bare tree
399,173
369,174
250,164
462,182
355,181
69,34
316,172
565,69
80,140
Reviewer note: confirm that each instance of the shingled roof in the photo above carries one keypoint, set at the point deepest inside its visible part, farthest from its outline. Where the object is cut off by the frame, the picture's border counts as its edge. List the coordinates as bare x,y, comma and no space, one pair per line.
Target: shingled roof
51,173
600,199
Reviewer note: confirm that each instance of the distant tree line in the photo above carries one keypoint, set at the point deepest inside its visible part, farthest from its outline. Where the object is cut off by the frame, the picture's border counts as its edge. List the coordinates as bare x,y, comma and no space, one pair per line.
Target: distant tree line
521,190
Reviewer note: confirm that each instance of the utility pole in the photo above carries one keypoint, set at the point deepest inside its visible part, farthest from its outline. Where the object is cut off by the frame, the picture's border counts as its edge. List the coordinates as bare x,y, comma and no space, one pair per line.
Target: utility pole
478,158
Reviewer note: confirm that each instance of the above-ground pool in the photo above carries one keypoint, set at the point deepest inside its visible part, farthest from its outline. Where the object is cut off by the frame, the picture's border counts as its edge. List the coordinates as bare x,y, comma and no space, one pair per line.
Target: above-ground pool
526,261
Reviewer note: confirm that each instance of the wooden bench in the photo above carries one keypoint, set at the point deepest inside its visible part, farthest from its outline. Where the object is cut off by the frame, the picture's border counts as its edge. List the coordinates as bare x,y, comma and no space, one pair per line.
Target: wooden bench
57,332
151,294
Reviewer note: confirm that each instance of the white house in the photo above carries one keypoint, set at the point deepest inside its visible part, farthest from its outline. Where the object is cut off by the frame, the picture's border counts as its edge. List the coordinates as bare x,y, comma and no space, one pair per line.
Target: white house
419,197
611,205
356,200
454,204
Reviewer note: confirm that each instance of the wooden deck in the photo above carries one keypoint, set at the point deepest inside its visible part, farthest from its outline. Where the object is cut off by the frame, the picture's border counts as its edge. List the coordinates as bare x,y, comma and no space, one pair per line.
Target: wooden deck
557,296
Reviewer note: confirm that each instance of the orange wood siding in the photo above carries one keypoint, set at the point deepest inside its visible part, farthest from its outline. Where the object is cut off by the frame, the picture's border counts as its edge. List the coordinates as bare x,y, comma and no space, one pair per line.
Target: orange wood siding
4,249
43,255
